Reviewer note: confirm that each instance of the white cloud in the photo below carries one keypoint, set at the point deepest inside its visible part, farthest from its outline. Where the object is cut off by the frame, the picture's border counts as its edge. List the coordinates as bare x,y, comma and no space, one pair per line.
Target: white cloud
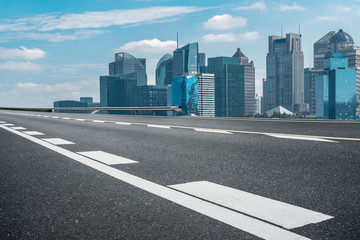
100,19
324,18
22,53
231,37
148,46
249,36
223,37
284,7
224,22
256,5
13,66
60,37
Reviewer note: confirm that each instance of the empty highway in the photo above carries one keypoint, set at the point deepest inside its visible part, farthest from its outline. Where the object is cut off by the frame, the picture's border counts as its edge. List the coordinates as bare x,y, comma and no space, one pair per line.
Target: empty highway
91,176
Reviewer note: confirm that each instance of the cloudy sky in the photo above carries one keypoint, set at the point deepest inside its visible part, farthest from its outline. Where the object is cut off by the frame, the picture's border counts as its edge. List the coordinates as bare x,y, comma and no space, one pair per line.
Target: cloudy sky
56,50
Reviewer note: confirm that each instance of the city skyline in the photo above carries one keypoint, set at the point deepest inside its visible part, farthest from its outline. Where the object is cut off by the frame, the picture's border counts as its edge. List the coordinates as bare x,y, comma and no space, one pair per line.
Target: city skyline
50,53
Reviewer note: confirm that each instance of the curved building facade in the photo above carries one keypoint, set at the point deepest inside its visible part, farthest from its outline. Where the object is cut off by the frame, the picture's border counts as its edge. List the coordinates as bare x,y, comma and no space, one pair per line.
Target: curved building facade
128,64
164,70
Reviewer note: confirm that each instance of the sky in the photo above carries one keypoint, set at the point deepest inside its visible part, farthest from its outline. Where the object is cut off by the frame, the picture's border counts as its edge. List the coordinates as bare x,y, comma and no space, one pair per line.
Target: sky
56,49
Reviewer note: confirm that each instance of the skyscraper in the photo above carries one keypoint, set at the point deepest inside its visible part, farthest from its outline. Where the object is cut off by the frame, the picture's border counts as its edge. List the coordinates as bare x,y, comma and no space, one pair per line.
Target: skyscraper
249,78
128,64
164,70
335,88
285,74
185,60
229,86
184,92
206,89
149,96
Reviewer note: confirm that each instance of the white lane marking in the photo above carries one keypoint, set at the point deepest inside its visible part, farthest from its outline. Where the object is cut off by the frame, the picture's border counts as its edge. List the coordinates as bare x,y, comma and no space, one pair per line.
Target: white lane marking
57,141
276,212
232,218
45,116
33,133
123,123
158,126
19,128
66,118
107,158
8,124
78,119
1,122
98,121
38,115
301,138
211,130
55,117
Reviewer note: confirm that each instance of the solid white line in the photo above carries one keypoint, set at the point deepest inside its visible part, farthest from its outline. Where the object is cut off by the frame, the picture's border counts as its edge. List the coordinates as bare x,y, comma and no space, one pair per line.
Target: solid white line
157,126
123,123
301,138
237,220
33,133
211,130
98,121
107,158
279,213
57,141
19,128
8,124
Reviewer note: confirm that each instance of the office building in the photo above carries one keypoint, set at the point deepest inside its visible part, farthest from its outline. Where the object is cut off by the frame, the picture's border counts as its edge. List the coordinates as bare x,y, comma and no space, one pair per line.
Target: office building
206,89
185,60
149,96
116,91
229,86
127,64
164,70
258,101
184,92
70,104
249,78
335,88
284,85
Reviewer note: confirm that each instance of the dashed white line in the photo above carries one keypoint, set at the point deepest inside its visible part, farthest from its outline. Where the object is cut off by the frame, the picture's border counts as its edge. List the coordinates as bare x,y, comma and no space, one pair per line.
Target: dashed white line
211,130
82,120
240,221
301,138
57,141
8,124
66,118
98,121
1,122
276,212
19,128
123,123
55,117
33,133
158,126
107,158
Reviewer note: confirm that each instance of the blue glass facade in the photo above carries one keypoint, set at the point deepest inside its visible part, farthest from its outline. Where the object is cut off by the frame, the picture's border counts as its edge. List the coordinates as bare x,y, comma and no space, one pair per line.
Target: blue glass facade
149,96
70,104
185,60
164,70
128,64
229,86
336,89
184,92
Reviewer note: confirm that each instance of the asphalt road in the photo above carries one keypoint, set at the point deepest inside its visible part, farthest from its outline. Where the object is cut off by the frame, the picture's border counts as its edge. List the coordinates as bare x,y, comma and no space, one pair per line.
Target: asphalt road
53,191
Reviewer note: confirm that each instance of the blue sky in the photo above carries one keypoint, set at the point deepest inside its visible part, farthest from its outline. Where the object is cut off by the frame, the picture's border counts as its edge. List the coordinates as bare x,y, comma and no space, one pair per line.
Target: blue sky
56,50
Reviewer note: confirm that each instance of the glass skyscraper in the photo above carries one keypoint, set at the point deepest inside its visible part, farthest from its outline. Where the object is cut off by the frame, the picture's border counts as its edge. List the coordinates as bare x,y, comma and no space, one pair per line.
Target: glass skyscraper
185,60
128,64
184,92
284,85
149,96
229,86
335,88
164,70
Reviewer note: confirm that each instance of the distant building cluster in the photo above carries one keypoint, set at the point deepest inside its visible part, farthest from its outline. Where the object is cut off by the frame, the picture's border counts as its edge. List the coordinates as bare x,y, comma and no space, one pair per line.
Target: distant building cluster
84,102
225,86
329,90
